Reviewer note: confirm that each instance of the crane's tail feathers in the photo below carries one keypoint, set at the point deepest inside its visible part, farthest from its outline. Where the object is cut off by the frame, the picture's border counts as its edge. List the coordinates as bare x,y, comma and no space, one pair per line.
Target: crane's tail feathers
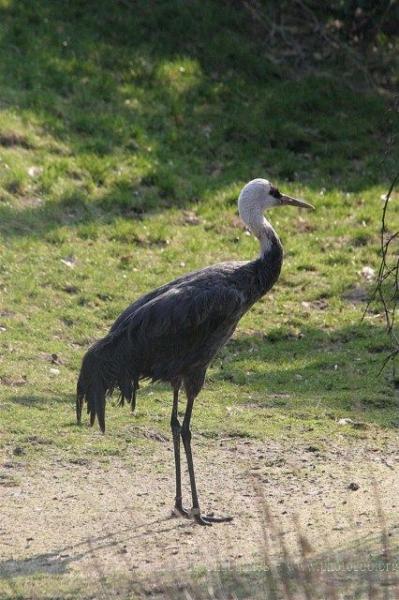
105,366
91,388
128,391
79,405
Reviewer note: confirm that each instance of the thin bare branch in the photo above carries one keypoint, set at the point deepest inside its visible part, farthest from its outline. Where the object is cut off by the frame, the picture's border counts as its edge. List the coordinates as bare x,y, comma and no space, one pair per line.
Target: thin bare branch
386,289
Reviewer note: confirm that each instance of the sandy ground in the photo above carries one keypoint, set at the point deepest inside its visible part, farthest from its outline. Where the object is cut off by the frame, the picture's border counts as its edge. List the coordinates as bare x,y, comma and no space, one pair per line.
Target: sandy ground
87,517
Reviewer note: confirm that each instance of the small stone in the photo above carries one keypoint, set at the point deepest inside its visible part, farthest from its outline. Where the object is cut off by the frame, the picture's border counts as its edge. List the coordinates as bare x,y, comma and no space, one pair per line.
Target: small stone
35,171
312,449
353,486
345,421
18,451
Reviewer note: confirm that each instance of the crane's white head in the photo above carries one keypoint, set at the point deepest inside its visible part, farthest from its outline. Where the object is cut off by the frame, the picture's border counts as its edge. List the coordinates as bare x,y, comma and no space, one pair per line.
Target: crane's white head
259,195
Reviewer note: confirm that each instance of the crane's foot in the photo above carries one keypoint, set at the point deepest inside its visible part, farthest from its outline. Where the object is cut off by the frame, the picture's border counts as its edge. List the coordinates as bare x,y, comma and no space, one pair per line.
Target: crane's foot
179,511
209,519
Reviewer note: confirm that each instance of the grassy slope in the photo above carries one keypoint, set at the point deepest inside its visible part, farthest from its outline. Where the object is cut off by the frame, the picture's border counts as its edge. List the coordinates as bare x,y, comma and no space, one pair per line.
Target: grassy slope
125,135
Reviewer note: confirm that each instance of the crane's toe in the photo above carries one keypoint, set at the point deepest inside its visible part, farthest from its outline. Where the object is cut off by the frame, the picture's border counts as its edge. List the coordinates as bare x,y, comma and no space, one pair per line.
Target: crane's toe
202,520
211,518
179,511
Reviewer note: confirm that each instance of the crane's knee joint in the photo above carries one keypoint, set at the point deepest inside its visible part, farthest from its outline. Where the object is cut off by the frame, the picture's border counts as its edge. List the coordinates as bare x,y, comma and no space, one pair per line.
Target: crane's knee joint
186,433
175,426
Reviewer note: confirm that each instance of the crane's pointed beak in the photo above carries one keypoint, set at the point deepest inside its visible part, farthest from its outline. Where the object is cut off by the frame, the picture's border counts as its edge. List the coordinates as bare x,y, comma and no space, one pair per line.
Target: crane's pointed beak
294,202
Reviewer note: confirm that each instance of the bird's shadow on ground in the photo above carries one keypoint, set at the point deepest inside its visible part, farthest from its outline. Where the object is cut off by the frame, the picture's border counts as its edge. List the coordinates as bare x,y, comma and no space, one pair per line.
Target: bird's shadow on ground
59,560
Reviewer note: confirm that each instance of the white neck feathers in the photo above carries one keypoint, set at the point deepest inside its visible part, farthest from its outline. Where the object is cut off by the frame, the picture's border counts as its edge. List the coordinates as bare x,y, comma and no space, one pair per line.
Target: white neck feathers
252,214
266,234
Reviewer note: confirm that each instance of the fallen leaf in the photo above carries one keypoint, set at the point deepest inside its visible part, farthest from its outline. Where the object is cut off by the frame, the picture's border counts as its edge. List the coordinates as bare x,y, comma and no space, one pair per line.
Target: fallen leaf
35,171
368,273
191,218
56,360
69,261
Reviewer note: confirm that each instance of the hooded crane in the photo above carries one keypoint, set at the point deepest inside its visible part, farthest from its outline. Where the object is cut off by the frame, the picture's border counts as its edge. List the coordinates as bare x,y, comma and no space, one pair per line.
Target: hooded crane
172,333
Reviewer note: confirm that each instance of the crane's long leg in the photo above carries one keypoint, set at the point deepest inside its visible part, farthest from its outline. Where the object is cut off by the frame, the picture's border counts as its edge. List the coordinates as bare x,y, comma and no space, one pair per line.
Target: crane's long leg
176,431
134,393
186,437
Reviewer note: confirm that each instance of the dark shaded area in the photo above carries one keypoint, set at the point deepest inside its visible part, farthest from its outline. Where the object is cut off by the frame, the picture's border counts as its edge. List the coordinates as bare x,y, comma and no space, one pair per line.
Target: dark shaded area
361,21
93,77
337,364
29,400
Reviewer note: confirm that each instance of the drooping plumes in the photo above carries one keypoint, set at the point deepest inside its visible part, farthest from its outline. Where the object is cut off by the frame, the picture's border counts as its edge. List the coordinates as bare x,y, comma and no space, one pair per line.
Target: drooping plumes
105,366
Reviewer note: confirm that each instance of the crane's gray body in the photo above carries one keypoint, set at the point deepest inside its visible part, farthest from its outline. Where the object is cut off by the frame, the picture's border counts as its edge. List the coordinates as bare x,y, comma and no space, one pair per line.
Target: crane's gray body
172,333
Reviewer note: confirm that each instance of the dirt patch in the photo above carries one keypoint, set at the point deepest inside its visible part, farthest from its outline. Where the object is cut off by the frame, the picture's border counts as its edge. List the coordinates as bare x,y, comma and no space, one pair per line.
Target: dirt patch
103,518
9,139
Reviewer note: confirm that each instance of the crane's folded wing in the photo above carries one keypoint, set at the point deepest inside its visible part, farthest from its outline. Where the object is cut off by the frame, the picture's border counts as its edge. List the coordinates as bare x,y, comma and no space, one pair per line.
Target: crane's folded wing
183,309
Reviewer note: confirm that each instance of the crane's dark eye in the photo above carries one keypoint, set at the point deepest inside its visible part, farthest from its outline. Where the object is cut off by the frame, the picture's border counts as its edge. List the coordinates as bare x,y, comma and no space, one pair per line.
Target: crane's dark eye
274,192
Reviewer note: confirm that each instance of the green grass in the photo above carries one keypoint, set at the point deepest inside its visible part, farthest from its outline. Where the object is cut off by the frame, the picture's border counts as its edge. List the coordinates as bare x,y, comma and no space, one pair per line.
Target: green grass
125,136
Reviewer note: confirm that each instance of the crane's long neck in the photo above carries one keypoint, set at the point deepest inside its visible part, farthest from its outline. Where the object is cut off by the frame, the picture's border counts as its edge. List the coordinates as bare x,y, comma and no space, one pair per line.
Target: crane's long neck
268,239
268,265
251,213
270,245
